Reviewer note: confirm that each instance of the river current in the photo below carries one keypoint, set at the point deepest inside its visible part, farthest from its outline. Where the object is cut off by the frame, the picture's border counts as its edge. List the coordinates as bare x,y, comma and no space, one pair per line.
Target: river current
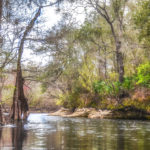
43,132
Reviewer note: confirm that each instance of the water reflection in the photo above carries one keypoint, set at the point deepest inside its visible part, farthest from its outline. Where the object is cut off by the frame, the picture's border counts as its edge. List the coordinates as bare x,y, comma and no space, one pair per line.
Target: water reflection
13,136
43,132
19,136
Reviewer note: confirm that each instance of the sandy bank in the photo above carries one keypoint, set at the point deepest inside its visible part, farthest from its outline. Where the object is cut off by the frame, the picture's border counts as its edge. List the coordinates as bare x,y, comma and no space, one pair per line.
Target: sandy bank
127,113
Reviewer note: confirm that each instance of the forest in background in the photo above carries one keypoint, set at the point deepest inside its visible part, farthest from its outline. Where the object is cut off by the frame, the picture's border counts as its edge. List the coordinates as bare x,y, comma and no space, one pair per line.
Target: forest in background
103,62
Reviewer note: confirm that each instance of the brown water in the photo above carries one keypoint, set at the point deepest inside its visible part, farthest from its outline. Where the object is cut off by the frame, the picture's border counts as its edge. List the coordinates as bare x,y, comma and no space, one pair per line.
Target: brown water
43,132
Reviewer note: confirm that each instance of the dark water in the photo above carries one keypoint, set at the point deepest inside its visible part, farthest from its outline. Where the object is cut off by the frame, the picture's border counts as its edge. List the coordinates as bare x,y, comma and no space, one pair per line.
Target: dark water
43,132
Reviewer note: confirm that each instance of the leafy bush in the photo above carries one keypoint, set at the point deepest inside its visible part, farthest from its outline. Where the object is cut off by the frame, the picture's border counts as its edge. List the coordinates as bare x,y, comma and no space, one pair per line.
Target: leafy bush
142,21
129,83
87,75
137,104
143,75
69,99
105,88
112,88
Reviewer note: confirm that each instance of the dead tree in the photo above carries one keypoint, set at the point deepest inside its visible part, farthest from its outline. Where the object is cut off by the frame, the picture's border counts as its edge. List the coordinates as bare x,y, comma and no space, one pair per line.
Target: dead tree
20,105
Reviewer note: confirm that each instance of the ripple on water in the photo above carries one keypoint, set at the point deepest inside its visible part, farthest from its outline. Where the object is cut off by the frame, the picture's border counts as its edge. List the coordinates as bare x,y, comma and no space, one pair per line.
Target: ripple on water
43,132
9,126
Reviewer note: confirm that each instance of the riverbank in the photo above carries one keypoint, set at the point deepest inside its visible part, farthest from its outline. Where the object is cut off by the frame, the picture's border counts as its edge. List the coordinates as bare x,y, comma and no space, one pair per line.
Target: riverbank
125,113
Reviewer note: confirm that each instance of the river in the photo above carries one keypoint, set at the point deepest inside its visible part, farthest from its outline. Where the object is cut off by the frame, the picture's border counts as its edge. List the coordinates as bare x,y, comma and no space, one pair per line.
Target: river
43,132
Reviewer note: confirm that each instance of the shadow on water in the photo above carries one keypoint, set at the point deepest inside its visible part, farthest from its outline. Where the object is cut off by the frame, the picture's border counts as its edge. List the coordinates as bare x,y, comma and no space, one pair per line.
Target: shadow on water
43,132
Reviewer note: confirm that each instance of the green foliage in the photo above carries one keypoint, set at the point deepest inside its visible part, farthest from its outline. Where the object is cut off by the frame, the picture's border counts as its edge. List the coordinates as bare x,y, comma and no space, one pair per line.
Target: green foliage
35,97
88,32
129,83
143,75
44,87
142,19
69,99
106,88
137,104
7,94
117,6
78,95
87,75
112,88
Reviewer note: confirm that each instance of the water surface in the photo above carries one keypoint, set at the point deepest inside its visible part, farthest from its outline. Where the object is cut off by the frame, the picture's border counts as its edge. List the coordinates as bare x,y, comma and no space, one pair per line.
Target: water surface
43,132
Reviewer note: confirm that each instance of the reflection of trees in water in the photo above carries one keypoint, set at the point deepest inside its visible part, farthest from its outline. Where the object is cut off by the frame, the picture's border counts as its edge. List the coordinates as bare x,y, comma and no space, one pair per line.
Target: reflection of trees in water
13,136
73,135
80,134
19,135
96,135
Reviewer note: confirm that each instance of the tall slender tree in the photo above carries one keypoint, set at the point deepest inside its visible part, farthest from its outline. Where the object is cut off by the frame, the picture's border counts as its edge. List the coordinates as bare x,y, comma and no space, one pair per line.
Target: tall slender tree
20,105
113,14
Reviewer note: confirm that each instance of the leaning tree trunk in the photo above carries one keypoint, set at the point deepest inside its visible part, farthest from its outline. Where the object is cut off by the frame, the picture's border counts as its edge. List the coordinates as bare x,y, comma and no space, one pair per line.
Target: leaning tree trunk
20,106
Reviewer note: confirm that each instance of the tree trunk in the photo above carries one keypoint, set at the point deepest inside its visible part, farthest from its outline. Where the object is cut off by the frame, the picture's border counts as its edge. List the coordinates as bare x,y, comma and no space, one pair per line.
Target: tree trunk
119,59
117,35
20,105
